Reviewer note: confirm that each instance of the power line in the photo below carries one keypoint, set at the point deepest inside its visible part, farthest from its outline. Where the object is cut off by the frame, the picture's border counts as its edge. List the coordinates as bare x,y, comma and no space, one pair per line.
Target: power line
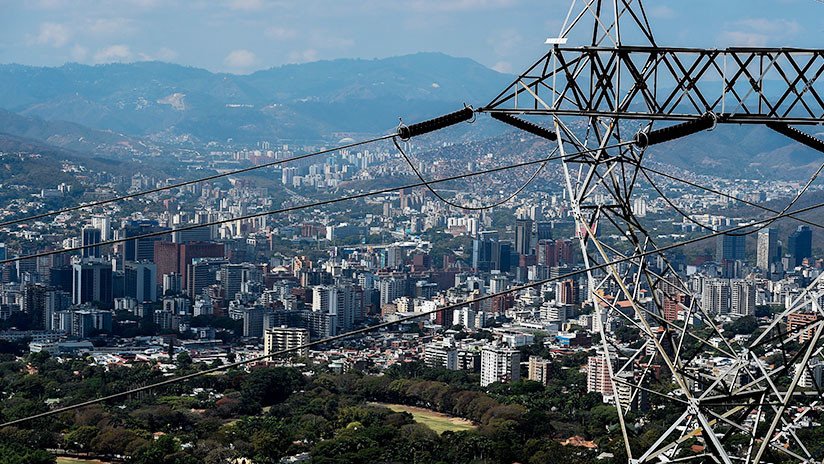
726,195
286,210
386,324
740,234
464,207
499,202
191,182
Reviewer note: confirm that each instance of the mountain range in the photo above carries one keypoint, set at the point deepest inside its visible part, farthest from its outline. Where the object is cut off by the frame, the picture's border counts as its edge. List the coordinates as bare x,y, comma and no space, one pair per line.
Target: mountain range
116,108
307,101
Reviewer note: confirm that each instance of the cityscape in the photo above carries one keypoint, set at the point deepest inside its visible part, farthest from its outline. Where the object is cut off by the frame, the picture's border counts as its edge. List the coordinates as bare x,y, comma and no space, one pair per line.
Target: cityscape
481,294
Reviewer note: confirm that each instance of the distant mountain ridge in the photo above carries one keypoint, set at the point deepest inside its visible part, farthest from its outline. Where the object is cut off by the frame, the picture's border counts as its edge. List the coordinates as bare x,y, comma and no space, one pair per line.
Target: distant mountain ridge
293,101
107,109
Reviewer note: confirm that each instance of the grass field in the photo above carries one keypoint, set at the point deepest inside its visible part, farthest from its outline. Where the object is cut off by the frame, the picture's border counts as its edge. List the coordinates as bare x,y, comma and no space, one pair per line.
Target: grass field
436,421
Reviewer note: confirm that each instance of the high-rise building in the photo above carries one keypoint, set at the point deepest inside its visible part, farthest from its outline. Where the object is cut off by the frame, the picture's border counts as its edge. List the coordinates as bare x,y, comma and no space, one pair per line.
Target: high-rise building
673,305
543,230
172,283
140,281
104,224
441,354
730,248
523,236
482,251
198,234
90,236
343,303
800,244
498,283
564,252
500,364
56,301
83,322
141,249
286,338
802,322
253,321
598,376
92,283
539,369
715,296
176,257
232,277
742,297
568,293
391,288
767,250
202,273
33,303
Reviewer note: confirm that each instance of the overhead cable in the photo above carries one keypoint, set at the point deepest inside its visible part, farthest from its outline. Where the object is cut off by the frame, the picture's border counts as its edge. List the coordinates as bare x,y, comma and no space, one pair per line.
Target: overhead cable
190,182
726,195
727,233
383,324
282,210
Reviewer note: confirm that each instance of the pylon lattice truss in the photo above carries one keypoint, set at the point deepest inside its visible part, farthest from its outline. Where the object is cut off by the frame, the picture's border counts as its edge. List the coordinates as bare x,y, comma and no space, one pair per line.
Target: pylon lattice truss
724,400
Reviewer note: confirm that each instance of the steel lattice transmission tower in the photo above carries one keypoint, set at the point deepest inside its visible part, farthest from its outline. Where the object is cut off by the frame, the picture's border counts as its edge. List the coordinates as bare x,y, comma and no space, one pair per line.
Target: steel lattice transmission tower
722,400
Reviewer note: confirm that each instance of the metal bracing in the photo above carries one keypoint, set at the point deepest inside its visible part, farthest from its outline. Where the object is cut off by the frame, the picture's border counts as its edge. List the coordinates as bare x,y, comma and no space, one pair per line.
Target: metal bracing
738,85
728,400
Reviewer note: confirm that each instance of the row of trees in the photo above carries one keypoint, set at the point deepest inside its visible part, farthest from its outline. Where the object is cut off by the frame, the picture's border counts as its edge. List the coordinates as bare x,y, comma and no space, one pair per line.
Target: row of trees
269,413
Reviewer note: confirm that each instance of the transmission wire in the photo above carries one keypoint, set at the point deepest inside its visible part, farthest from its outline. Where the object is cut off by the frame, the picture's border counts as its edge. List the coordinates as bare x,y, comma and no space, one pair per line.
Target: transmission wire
190,182
726,195
285,210
386,324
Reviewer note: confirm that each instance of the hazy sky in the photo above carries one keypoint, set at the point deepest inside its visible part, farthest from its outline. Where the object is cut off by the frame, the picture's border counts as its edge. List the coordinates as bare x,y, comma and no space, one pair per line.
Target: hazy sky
241,36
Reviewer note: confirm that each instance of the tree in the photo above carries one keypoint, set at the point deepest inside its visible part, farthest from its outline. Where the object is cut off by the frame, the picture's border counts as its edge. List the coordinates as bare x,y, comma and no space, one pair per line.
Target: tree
742,326
268,386
81,438
165,449
20,455
184,360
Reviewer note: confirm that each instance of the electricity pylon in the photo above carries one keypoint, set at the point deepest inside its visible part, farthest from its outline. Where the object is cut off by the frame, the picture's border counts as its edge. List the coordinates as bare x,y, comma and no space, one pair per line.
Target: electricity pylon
722,399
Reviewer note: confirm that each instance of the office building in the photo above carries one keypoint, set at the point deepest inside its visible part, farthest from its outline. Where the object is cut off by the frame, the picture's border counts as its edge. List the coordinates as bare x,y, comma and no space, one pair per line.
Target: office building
141,249
90,236
202,273
543,230
800,245
104,225
523,236
92,283
172,283
140,281
730,248
86,322
767,250
176,257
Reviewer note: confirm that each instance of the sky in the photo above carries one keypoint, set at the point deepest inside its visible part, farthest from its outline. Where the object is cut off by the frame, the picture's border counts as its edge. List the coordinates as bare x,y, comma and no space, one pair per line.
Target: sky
241,36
